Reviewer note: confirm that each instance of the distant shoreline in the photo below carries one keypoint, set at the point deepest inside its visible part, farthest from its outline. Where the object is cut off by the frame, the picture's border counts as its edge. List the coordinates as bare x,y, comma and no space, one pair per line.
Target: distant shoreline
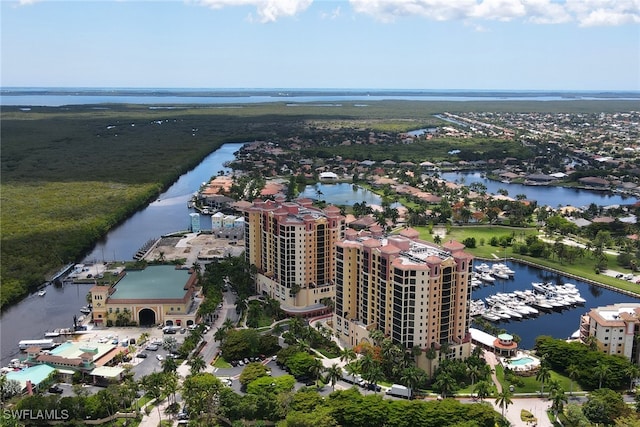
303,92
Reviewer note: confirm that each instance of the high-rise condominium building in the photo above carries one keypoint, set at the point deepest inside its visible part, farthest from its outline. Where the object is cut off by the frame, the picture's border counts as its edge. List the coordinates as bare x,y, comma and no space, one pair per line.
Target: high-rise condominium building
292,246
413,291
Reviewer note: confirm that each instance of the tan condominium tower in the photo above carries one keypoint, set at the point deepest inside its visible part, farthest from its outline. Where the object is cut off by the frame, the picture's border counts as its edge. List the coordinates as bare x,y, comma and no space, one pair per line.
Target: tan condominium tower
292,245
413,291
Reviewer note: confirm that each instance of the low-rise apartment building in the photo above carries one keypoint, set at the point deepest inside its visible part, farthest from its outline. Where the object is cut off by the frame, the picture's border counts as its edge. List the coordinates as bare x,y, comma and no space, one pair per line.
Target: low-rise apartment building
614,328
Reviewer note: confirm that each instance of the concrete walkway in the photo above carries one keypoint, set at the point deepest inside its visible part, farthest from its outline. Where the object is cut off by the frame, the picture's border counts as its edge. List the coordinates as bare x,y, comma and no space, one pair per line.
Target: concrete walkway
535,405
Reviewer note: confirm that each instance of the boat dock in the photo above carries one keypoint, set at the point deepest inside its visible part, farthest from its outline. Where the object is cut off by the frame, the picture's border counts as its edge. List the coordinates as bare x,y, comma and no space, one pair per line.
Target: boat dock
145,249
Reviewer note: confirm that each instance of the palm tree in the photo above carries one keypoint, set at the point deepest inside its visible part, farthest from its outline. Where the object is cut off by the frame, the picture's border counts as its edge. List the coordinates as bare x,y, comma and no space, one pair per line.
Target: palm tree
602,369
573,372
228,324
347,355
376,336
482,390
446,384
352,369
197,364
220,334
295,326
373,375
592,342
334,373
431,354
503,400
558,399
169,365
634,372
543,375
411,377
554,386
169,344
315,369
474,373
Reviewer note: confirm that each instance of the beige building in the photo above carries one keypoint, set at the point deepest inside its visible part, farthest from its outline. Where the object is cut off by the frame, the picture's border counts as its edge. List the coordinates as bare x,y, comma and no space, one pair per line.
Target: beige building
292,245
413,291
159,294
614,328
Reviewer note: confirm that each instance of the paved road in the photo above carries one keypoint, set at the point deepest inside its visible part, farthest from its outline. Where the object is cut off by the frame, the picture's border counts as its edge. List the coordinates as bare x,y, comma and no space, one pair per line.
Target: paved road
227,311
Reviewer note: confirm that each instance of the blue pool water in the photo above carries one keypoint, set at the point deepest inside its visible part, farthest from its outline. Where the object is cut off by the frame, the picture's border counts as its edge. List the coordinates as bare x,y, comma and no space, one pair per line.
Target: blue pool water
521,361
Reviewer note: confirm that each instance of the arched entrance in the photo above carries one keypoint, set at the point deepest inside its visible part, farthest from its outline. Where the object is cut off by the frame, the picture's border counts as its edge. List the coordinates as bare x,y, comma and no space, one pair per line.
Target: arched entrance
147,317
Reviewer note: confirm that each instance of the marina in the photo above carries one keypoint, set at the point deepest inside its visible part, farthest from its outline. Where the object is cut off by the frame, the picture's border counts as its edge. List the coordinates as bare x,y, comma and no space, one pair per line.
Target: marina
558,318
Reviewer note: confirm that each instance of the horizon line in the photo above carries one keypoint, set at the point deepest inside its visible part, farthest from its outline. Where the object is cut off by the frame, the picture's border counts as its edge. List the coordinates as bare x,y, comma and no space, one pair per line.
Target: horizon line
358,89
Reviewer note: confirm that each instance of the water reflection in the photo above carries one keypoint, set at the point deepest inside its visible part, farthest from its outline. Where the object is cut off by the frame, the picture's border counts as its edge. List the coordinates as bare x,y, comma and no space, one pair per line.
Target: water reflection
342,194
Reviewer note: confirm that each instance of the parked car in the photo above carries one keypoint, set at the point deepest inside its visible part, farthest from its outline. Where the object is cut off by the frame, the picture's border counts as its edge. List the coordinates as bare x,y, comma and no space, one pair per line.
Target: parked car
55,389
152,347
159,357
373,387
142,355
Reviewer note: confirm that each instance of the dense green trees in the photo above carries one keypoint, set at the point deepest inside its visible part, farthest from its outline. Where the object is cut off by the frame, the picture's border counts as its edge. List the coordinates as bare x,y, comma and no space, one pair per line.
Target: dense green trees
591,368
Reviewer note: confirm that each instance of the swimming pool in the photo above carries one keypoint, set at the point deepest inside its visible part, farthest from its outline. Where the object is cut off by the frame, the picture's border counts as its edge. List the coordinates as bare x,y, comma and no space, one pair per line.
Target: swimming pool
521,361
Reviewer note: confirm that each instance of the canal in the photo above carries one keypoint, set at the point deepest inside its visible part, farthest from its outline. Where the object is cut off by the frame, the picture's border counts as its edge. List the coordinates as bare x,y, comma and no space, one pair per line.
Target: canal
35,315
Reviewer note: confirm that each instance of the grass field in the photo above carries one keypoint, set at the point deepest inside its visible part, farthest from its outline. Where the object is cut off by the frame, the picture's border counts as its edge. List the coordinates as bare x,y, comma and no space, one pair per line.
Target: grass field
582,267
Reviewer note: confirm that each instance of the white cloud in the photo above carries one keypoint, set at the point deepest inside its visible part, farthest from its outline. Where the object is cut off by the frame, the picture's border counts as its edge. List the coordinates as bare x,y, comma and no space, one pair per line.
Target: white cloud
334,14
267,10
546,12
584,12
500,10
604,12
438,10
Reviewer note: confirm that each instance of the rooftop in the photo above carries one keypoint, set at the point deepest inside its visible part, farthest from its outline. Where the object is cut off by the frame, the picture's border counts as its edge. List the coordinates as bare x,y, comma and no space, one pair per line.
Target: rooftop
35,374
72,349
154,282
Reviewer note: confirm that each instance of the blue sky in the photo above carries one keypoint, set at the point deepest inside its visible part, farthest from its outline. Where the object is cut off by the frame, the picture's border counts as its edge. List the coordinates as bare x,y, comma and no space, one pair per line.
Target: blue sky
391,44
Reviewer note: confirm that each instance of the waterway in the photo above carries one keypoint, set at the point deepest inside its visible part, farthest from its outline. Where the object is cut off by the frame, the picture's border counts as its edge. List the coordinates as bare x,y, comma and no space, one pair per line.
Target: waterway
35,315
168,98
30,318
544,195
558,324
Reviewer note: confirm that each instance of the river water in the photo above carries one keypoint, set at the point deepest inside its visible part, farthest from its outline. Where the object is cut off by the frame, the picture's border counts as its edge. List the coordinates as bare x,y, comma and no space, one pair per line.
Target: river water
30,318
544,195
35,315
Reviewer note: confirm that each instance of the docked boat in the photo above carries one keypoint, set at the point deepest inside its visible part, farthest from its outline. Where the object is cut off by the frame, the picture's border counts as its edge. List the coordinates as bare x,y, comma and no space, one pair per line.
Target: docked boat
490,316
483,268
42,292
487,277
504,268
499,273
85,310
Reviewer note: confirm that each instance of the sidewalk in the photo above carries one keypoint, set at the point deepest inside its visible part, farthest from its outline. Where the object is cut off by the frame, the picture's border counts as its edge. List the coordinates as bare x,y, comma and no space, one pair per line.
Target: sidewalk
535,405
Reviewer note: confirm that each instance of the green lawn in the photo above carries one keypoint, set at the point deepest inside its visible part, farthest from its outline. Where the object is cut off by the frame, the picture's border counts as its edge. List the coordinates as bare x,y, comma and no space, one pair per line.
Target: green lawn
532,385
221,363
581,267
